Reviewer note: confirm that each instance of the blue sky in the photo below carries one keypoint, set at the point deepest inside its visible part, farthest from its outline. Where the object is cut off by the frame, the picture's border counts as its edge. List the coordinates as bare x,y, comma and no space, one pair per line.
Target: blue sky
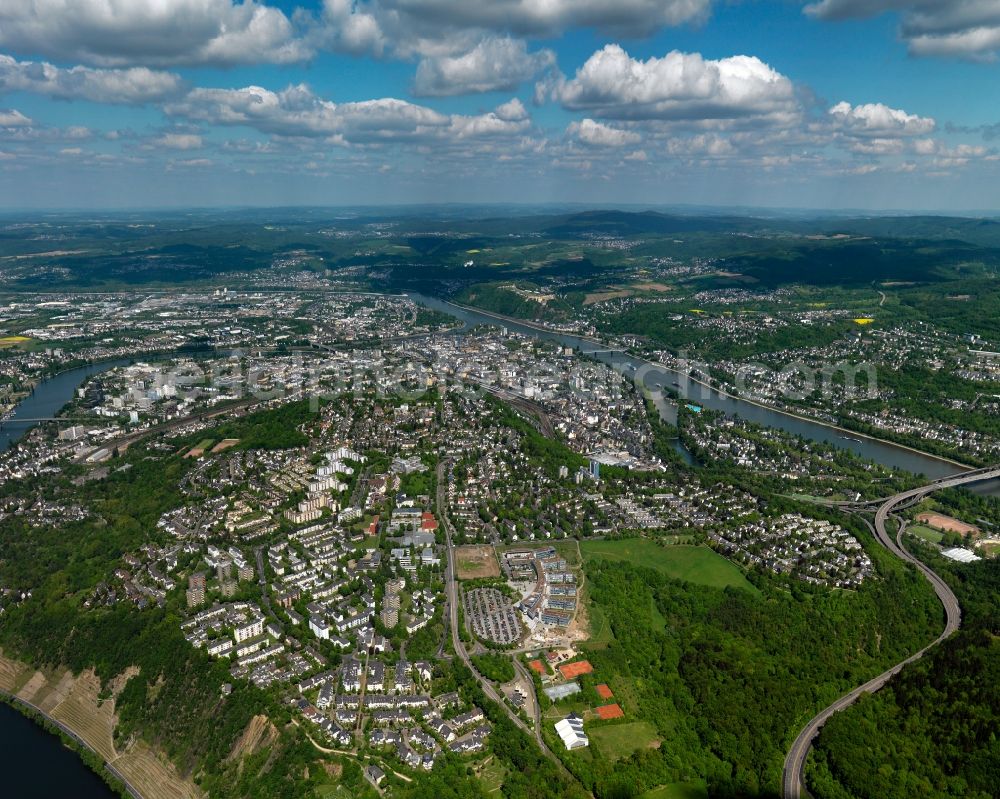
882,104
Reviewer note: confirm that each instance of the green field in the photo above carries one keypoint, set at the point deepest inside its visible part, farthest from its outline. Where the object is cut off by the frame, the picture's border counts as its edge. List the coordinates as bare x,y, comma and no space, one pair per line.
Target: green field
926,533
600,628
678,790
696,564
621,740
491,775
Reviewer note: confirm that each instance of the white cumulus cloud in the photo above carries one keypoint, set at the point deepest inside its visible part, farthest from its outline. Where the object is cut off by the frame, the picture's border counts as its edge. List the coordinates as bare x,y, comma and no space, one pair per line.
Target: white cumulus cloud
957,28
297,112
150,32
598,134
345,26
549,17
678,86
178,141
12,118
513,110
134,85
494,64
878,120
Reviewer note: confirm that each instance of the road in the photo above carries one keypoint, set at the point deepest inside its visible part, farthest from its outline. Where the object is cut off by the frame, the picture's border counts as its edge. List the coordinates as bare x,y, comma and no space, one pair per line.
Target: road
536,709
451,584
258,553
792,786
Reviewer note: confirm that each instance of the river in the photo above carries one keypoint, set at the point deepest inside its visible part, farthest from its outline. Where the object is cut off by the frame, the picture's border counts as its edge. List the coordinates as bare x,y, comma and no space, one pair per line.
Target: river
48,398
36,764
653,376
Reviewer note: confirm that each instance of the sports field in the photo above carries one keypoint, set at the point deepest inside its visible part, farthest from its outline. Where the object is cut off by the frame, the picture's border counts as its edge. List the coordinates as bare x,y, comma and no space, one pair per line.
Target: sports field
949,524
621,740
204,445
926,533
696,564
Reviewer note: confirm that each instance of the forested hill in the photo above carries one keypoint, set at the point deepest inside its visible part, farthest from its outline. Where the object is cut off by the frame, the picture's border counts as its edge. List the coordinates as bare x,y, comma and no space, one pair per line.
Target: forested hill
934,731
725,676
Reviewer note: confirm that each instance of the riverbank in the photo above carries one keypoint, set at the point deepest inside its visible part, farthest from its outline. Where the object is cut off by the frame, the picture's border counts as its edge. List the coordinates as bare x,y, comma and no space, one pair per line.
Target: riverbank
962,467
73,705
88,757
525,322
952,465
39,760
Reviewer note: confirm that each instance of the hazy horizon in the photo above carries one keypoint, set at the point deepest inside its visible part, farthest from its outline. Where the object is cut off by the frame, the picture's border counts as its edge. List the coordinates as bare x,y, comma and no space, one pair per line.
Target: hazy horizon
830,104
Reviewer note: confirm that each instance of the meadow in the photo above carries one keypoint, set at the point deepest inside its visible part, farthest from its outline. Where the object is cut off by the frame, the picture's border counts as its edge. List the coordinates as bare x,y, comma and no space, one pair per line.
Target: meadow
695,564
621,740
926,533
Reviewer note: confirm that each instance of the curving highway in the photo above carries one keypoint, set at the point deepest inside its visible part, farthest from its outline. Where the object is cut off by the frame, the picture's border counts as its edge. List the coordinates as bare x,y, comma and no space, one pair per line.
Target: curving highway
792,785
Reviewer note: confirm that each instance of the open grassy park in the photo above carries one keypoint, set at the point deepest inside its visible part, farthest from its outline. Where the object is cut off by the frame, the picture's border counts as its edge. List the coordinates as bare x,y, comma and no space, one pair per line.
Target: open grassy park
491,774
600,627
621,740
695,564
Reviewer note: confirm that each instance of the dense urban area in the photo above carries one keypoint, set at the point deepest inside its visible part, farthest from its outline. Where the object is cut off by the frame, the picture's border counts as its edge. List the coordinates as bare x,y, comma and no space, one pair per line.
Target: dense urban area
404,510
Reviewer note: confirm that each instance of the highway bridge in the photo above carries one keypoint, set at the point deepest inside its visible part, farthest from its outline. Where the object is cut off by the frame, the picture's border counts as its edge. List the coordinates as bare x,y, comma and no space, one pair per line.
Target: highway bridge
914,496
792,786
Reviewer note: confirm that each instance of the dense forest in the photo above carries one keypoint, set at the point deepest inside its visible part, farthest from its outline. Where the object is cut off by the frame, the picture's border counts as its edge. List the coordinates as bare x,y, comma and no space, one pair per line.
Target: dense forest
727,676
934,731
